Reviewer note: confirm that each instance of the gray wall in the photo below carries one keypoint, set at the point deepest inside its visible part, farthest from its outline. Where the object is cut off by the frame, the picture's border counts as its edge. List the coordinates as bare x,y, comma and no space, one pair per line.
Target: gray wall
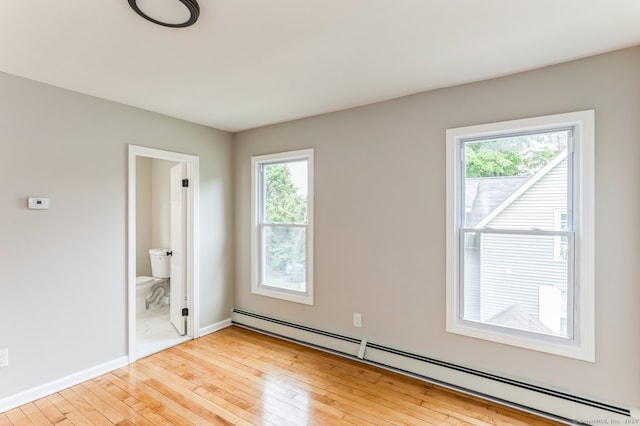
63,282
380,218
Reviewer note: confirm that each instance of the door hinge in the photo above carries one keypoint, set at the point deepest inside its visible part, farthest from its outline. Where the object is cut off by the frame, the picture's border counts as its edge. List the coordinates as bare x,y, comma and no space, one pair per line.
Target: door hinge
185,183
185,312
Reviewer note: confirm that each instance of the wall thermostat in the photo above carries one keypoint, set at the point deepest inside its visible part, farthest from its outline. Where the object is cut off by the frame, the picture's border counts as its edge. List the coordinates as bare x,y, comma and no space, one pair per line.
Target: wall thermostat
38,203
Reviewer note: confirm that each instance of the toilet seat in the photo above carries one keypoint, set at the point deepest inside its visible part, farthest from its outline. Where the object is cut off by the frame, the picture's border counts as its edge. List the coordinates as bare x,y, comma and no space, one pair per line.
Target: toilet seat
142,280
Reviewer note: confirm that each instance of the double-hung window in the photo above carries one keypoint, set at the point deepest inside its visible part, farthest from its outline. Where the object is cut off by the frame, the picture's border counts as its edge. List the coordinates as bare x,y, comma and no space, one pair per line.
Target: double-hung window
520,233
282,238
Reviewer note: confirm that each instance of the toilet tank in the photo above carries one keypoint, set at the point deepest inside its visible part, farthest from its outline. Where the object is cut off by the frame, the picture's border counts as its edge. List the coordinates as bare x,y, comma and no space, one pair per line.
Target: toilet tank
160,262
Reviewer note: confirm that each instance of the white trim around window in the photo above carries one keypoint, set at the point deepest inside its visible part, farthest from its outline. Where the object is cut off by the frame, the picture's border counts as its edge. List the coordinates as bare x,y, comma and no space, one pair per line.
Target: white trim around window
579,342
281,239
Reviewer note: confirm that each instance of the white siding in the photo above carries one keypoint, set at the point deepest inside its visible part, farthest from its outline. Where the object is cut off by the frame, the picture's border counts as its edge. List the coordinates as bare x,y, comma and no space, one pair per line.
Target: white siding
471,296
514,267
535,207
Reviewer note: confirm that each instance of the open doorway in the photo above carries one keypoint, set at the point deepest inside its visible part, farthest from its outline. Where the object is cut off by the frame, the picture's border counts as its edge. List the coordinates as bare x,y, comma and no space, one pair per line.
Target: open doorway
162,249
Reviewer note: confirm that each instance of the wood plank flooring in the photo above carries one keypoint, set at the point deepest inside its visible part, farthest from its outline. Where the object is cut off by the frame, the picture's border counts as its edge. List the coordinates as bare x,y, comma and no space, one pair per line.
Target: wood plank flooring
238,377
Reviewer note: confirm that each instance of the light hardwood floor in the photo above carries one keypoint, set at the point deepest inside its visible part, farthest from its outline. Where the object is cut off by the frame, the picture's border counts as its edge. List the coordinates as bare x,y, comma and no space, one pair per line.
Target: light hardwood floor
239,377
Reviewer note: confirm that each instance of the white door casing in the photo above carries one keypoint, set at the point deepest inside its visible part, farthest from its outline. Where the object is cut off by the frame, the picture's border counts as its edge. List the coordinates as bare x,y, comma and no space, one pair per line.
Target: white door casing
191,240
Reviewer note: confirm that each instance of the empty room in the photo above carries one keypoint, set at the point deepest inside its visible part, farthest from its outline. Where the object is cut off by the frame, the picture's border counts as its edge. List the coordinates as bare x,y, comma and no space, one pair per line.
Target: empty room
323,212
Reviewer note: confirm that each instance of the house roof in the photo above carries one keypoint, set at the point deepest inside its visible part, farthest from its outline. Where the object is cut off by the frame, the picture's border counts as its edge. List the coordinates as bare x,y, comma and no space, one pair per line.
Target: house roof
501,189
484,195
517,316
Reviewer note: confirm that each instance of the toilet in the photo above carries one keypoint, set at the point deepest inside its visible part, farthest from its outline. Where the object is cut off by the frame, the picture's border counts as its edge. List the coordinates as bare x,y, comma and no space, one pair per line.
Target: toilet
153,292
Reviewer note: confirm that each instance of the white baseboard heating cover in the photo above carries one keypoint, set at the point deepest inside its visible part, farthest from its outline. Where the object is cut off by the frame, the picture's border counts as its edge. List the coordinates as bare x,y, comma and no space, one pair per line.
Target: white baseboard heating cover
550,403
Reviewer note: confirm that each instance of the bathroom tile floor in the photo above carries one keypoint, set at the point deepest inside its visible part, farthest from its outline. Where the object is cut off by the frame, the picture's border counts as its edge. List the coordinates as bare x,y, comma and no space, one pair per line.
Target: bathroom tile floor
154,332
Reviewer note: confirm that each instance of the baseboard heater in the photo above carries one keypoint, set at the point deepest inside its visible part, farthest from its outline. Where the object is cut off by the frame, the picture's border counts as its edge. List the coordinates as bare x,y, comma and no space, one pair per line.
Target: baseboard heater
550,403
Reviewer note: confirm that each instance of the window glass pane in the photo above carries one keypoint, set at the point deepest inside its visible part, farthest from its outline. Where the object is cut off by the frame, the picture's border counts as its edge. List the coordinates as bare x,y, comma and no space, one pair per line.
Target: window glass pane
515,182
285,192
285,257
515,281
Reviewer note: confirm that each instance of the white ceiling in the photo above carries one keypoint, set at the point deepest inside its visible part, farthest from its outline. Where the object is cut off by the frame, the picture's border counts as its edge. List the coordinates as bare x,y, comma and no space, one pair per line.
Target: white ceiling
248,63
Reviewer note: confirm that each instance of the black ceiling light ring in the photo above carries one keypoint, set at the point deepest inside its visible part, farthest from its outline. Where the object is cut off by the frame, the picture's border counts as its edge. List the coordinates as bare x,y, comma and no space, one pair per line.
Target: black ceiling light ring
192,5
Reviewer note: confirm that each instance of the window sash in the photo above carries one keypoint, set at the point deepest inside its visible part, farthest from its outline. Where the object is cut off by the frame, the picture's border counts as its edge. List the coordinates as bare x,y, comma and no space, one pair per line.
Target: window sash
262,274
262,200
262,225
570,288
302,230
569,233
489,230
462,142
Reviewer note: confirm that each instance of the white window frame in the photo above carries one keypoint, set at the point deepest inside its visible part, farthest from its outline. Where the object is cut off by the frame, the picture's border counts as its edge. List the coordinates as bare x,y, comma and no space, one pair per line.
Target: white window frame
257,258
558,255
581,343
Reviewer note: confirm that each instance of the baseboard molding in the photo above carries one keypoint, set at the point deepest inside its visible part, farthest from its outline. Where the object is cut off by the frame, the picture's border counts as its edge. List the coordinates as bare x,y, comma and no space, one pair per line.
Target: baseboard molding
54,386
550,403
215,327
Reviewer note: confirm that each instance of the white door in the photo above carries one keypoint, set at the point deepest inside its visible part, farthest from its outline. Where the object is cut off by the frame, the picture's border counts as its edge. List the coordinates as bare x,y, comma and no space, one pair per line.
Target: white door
178,291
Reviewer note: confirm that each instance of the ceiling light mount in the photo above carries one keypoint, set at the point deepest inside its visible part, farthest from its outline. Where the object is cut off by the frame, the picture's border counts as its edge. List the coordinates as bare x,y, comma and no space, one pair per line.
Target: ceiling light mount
192,5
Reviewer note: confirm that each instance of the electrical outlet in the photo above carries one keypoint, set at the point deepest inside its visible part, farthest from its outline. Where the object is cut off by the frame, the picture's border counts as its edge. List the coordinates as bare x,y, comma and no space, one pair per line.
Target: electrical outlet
4,357
357,320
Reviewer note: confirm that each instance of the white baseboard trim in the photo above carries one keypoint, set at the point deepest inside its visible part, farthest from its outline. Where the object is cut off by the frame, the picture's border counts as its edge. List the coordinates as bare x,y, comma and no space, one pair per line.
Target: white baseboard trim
215,327
54,386
550,403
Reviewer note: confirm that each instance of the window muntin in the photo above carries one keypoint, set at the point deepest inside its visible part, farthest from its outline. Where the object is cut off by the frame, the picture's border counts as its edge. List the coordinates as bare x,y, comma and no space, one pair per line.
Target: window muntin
518,196
282,237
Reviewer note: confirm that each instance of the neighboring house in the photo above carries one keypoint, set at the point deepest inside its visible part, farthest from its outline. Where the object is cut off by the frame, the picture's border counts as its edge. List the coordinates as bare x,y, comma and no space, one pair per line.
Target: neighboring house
506,284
